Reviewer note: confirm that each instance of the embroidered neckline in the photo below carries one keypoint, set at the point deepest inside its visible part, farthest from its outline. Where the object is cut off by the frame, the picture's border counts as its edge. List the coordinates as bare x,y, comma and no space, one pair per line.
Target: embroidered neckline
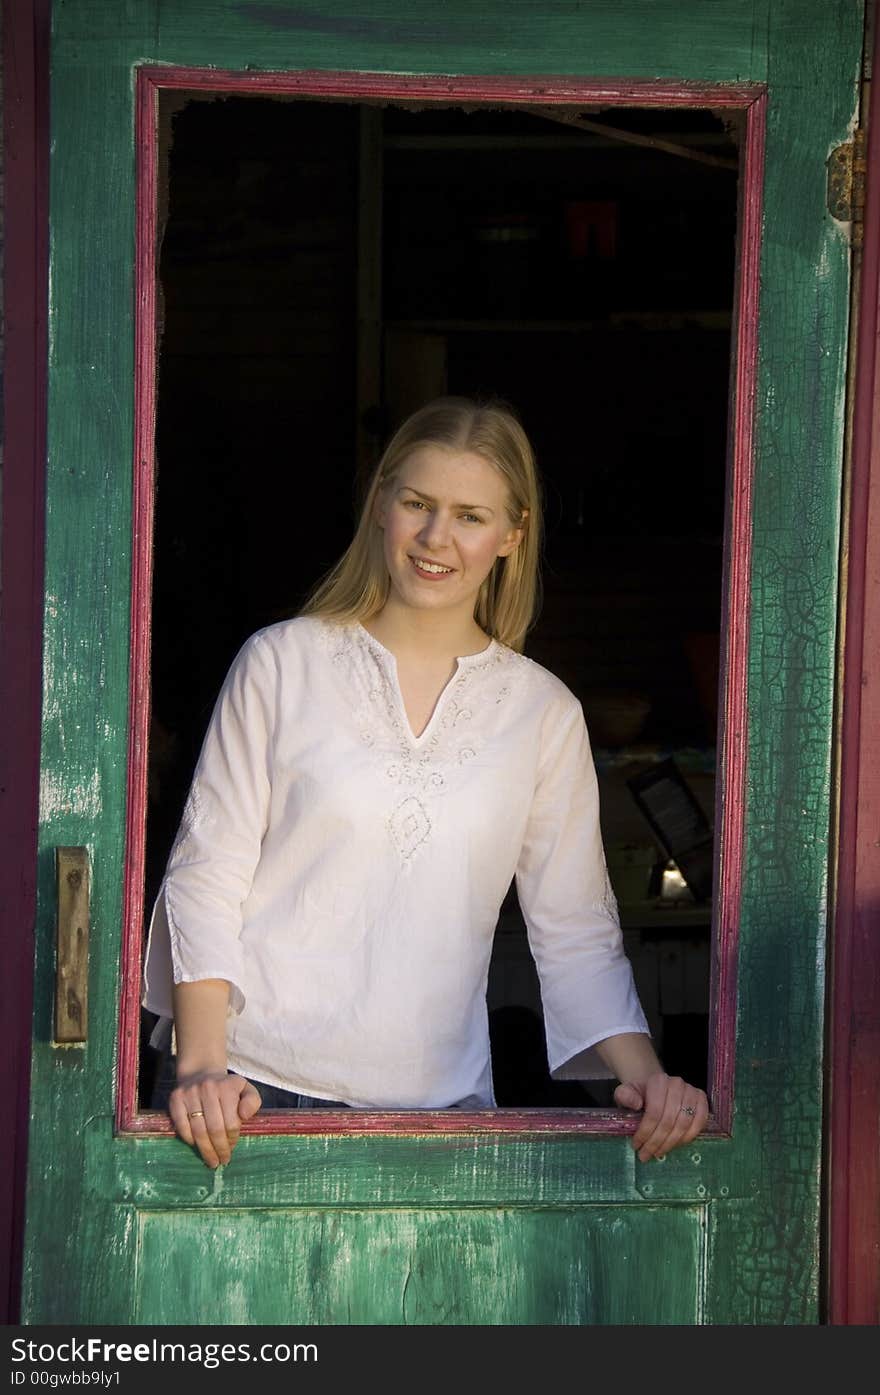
457,682
420,767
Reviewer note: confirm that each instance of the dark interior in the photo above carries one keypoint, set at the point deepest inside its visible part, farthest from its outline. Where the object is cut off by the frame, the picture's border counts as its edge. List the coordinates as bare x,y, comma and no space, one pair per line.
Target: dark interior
586,280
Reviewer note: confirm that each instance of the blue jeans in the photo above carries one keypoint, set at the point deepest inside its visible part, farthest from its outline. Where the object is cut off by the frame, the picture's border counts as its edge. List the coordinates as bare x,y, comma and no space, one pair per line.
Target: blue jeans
273,1096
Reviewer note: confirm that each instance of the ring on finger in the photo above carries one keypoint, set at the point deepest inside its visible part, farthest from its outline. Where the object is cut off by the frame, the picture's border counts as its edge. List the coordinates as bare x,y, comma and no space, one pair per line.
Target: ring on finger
196,1113
689,1110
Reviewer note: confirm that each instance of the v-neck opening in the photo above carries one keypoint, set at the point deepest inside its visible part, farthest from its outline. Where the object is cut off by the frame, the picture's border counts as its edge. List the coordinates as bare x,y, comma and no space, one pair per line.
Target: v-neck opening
390,660
417,740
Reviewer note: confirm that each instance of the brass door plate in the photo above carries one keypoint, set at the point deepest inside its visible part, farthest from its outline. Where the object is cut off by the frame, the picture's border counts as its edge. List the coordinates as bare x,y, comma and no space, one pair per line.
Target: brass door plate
72,946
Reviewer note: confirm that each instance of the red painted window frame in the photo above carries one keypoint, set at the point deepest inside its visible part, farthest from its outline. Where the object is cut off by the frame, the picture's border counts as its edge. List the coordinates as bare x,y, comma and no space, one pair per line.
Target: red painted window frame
750,100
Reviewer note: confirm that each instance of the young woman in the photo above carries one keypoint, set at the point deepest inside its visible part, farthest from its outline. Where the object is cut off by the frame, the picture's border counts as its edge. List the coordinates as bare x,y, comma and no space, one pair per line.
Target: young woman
375,773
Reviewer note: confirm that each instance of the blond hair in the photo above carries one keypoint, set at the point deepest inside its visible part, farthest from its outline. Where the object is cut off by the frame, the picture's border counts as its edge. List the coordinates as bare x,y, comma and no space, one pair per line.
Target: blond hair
357,587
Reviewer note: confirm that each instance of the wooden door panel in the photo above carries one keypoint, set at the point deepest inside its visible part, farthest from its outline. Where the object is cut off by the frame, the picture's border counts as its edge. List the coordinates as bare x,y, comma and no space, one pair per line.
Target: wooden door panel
359,1170
513,1228
597,1264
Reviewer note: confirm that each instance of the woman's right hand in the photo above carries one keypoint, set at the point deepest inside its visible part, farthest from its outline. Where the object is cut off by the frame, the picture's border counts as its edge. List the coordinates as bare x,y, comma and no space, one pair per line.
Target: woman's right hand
208,1105
207,1109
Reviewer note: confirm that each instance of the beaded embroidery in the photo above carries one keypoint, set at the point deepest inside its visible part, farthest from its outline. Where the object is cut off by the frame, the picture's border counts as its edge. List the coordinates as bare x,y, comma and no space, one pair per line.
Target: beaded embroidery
192,817
608,905
420,767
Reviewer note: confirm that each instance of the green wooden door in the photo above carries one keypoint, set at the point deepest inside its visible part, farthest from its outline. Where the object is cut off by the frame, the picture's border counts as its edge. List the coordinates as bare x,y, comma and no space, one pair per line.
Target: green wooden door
422,1225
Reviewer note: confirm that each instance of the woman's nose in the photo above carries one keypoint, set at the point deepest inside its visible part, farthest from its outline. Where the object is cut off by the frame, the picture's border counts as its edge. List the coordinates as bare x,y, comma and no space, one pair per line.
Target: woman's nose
435,528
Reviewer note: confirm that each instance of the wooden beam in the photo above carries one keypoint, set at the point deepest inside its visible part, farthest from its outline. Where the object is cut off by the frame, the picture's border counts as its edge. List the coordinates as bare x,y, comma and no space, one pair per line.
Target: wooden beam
369,294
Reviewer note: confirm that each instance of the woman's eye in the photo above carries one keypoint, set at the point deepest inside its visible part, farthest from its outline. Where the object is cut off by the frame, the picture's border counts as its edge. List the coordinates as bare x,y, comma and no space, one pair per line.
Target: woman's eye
471,518
414,504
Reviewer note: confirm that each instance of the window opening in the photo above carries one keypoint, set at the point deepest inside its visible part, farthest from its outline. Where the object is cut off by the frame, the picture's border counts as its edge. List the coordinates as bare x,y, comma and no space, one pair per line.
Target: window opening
587,281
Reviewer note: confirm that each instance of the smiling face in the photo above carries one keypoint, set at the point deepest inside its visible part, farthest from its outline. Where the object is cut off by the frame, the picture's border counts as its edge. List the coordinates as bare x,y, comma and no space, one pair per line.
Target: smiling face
445,520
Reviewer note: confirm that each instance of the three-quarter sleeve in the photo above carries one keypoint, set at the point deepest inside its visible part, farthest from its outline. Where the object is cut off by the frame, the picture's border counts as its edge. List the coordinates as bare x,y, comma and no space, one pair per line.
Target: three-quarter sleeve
196,924
587,985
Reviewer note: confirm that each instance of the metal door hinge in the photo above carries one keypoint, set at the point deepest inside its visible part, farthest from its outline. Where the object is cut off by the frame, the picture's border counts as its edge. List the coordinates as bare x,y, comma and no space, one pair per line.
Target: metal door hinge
846,184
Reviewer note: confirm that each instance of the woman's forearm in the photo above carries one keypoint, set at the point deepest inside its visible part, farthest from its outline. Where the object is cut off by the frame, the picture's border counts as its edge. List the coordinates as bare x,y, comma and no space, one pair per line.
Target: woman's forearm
630,1055
200,1011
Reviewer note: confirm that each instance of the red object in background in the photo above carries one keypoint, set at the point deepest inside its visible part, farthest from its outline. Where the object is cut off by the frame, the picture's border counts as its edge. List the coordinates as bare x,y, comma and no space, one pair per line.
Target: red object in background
591,229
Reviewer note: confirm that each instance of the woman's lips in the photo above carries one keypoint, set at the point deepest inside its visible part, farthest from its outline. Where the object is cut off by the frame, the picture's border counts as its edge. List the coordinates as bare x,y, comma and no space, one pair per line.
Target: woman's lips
422,564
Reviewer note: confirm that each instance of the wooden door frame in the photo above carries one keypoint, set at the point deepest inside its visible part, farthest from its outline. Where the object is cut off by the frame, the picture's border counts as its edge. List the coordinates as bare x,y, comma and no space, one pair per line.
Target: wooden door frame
853,1036
26,151
854,1007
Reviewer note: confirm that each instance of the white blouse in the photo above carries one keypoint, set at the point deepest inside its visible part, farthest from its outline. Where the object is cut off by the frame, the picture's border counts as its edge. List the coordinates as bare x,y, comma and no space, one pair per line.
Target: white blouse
345,876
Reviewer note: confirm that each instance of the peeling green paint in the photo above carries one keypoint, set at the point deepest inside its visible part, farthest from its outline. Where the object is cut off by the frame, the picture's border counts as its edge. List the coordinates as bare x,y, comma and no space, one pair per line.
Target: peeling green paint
433,1229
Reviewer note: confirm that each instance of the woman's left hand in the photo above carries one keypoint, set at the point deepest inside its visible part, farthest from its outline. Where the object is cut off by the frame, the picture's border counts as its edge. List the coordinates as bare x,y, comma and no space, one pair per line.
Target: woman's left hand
674,1113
